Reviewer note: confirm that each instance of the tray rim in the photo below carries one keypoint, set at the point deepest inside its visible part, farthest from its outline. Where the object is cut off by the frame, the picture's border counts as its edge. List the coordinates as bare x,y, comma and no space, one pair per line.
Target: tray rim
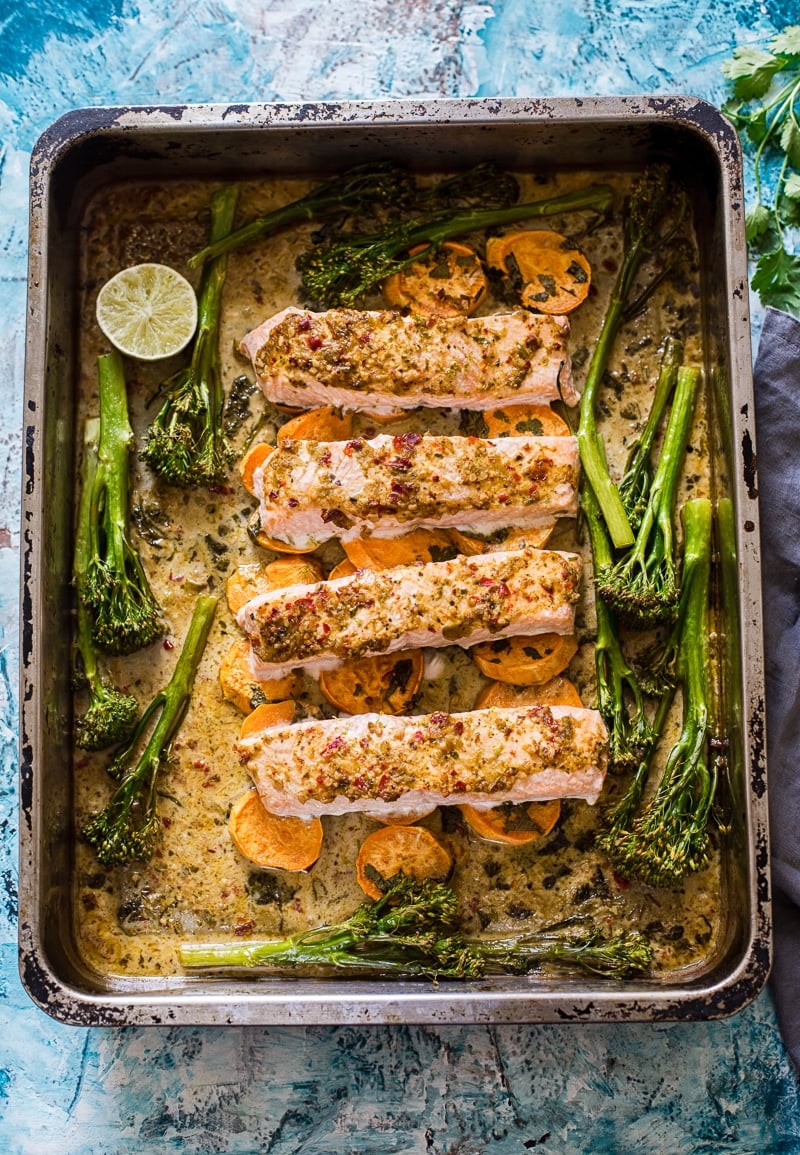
177,1003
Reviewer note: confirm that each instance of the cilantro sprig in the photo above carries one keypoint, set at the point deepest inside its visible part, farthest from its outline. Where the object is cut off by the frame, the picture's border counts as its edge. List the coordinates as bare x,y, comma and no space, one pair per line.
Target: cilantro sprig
766,110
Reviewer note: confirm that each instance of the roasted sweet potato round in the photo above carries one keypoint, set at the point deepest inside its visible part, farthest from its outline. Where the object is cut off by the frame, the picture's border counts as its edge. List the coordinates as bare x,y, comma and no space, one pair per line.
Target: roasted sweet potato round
411,850
270,840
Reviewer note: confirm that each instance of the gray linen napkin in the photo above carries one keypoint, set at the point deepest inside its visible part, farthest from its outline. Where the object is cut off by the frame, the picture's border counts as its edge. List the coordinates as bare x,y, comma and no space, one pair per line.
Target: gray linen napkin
777,387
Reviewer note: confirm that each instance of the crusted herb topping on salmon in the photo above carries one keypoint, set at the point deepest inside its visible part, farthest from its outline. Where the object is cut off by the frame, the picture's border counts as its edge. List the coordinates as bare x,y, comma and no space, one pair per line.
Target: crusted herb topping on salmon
463,600
384,360
311,491
382,764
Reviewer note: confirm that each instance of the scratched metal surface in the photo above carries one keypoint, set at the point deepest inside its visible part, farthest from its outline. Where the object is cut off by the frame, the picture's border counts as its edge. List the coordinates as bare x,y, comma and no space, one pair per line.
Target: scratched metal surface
721,1087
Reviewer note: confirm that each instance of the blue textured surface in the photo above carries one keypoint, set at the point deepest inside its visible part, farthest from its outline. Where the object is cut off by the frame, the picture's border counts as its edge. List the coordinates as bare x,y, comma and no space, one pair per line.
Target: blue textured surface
716,1087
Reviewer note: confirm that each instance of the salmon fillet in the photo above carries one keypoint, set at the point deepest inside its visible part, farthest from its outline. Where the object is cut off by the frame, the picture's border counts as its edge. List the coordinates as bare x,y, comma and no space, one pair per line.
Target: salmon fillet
382,764
312,491
384,361
464,600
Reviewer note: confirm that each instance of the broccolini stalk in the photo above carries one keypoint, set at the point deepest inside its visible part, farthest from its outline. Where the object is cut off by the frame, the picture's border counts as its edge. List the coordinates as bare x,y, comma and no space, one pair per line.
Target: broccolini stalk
619,695
669,838
634,488
411,930
338,273
379,183
129,825
616,840
186,443
110,715
125,614
619,956
643,586
652,217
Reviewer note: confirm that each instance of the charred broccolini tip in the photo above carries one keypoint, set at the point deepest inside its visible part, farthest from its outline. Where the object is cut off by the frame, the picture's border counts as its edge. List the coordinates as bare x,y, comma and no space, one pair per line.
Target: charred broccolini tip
619,696
653,216
128,827
377,183
339,272
110,715
186,443
114,587
366,186
668,838
643,587
412,930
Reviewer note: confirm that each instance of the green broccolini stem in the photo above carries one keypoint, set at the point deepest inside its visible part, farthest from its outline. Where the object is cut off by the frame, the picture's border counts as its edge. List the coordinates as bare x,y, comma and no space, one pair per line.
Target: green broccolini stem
643,586
618,957
186,443
125,614
340,272
110,715
648,208
129,825
412,931
619,695
635,484
381,183
617,840
669,838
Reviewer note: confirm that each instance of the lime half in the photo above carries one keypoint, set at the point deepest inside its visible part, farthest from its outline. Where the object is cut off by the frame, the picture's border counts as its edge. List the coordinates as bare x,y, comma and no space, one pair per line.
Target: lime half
148,311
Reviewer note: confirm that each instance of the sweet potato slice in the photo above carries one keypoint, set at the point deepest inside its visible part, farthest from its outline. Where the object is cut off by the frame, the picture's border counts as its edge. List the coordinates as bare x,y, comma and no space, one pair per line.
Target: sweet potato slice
246,692
535,536
378,553
250,580
448,281
545,269
268,714
525,421
344,568
386,684
557,691
525,661
392,849
271,841
513,824
255,456
324,424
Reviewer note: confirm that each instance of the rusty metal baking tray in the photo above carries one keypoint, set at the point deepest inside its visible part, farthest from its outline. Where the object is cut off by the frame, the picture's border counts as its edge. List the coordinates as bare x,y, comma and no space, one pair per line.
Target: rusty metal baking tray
91,149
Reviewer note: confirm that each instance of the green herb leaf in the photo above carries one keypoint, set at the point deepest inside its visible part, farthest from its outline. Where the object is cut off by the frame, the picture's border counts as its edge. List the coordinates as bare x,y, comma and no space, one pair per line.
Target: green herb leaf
788,201
757,222
751,71
787,42
790,140
777,280
791,188
756,125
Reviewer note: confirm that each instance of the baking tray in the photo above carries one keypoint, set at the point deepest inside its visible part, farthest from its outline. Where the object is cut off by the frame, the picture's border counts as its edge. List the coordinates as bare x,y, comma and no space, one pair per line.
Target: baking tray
93,148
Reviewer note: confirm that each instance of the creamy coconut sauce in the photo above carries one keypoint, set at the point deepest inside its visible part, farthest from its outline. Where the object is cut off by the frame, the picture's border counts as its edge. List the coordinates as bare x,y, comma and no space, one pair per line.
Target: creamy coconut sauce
129,921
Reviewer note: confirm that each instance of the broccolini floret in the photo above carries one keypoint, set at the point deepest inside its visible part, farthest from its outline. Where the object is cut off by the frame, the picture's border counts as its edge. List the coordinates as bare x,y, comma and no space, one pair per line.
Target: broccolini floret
125,614
619,696
378,183
129,825
186,443
668,837
341,271
110,715
412,930
643,587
